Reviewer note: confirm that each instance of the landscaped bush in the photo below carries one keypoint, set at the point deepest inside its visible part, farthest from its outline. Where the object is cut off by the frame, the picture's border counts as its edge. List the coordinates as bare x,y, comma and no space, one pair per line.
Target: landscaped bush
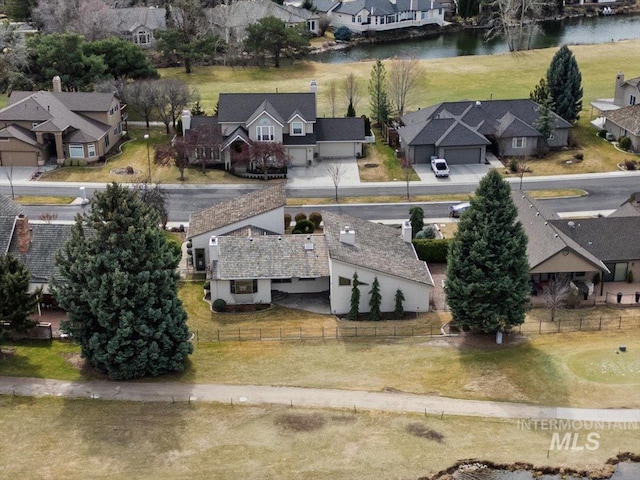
429,232
303,226
630,164
579,156
287,220
219,305
207,285
602,133
67,162
130,170
624,143
513,165
342,33
434,251
315,218
300,216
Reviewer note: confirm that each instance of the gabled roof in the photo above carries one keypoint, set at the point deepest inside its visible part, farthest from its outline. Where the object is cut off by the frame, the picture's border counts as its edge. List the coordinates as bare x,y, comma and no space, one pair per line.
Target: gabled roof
9,210
626,117
240,107
377,247
239,133
237,209
74,101
129,19
340,129
629,208
380,8
545,239
244,13
512,126
459,134
271,256
46,241
207,130
266,107
21,134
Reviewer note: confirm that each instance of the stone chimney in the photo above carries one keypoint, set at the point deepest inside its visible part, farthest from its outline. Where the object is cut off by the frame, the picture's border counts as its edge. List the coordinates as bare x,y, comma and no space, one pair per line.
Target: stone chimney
406,231
618,97
186,121
313,86
348,236
23,231
57,84
214,249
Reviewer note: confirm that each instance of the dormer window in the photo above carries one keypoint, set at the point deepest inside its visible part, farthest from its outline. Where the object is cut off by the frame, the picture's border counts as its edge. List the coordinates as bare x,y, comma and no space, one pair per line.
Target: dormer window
265,133
297,128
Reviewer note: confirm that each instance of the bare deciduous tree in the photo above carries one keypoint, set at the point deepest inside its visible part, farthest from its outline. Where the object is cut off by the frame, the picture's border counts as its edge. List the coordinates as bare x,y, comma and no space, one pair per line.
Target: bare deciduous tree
332,94
263,156
335,171
352,90
404,77
407,172
48,217
88,18
140,97
515,19
556,293
172,96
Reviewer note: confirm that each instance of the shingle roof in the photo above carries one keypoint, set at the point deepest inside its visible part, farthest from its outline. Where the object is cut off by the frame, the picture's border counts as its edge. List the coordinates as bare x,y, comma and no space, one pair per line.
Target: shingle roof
46,241
244,13
271,256
377,247
239,107
340,129
629,208
74,101
8,212
129,19
22,134
626,117
545,239
237,209
608,238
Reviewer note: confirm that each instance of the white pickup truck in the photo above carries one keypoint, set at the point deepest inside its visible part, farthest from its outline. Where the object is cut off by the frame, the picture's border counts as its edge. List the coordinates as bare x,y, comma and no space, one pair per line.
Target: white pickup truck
440,167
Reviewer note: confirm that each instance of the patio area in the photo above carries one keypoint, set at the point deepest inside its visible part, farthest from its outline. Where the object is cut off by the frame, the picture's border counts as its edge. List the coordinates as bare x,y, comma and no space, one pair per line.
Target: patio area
609,296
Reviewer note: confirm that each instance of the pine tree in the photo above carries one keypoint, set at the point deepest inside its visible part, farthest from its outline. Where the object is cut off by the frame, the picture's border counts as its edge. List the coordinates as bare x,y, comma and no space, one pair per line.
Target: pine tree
416,218
375,300
564,81
487,269
351,112
399,309
540,92
354,311
380,106
544,123
119,289
17,303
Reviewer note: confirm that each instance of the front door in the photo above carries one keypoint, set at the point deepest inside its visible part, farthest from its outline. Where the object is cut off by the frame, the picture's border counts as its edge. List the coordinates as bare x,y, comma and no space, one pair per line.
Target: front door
200,262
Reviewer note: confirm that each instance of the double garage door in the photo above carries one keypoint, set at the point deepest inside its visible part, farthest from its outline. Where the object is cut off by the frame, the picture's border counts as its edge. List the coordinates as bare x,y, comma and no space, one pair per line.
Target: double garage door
463,156
19,159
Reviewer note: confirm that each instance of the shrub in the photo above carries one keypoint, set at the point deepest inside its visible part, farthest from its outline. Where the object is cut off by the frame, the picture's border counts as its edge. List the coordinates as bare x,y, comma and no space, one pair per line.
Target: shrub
304,226
624,143
367,125
287,220
130,170
434,251
219,305
429,232
207,286
513,165
602,133
630,165
67,162
315,218
300,216
342,34
579,156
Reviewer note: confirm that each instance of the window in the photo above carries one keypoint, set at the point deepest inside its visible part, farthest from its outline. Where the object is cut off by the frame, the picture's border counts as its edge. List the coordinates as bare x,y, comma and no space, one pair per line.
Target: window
281,280
344,282
91,149
106,141
244,286
519,142
76,150
306,279
265,133
143,37
297,128
632,99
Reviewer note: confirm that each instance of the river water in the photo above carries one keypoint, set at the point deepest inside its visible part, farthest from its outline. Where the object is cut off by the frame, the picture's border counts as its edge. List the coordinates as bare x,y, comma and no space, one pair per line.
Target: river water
624,471
571,31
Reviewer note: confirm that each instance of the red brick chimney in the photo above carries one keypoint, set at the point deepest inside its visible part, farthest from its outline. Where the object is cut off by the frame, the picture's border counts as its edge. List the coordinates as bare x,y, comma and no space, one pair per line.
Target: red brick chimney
24,233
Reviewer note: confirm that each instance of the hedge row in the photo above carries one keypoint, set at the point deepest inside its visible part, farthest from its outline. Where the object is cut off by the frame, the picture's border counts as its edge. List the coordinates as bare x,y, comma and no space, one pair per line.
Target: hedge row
432,250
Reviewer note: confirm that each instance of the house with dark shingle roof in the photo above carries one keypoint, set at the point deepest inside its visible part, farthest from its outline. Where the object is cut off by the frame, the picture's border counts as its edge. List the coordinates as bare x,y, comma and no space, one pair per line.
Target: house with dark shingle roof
247,269
381,15
624,122
38,126
461,132
256,213
137,24
287,118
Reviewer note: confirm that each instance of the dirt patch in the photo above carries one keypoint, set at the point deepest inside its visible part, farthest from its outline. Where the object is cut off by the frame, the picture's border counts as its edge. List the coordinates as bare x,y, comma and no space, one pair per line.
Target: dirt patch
422,431
298,422
128,171
75,360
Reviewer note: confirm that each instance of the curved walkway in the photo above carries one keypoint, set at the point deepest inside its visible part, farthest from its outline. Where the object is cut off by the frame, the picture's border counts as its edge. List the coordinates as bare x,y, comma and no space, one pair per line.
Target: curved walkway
304,397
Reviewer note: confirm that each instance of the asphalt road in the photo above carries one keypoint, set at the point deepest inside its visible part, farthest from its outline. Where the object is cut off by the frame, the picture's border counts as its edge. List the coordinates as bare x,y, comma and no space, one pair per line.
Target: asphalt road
604,193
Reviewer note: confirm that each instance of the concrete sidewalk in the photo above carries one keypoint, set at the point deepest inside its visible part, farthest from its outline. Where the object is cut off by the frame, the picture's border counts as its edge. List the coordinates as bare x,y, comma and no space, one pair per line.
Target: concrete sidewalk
305,397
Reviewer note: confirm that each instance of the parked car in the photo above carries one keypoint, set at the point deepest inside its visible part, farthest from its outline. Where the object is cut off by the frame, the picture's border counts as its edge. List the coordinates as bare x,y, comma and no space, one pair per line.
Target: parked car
457,210
440,167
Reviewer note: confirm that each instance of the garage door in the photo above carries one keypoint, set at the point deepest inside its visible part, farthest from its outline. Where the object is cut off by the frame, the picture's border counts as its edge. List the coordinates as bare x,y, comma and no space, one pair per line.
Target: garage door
298,156
462,156
336,150
19,159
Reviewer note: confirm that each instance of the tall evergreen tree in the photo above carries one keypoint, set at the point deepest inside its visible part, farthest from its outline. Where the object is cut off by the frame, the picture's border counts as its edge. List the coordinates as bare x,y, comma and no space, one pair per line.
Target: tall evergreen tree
351,112
540,92
119,289
416,218
354,311
544,123
487,268
564,81
399,308
375,300
378,90
17,303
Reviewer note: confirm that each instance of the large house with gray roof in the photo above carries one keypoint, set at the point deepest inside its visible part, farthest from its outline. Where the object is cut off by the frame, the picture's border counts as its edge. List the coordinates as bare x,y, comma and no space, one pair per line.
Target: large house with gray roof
287,118
36,127
381,15
462,132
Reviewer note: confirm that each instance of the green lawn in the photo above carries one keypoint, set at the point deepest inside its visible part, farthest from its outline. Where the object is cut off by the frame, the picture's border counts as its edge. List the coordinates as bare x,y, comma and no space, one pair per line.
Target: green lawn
79,439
